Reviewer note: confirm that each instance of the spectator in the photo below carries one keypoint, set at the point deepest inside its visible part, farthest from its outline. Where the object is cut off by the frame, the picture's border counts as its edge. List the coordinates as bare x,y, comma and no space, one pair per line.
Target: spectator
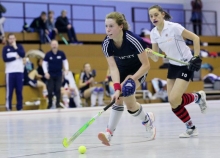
87,88
2,20
63,26
197,16
30,77
40,70
12,55
50,25
39,25
109,88
53,63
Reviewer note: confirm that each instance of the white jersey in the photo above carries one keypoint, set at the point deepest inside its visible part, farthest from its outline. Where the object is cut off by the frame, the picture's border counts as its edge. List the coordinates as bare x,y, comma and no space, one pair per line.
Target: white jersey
171,42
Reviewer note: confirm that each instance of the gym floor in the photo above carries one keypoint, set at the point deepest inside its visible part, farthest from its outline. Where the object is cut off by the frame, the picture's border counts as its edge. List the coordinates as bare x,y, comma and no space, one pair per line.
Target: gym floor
39,134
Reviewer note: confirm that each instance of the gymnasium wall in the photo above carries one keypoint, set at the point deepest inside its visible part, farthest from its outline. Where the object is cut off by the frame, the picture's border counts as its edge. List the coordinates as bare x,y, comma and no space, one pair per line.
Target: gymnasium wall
14,24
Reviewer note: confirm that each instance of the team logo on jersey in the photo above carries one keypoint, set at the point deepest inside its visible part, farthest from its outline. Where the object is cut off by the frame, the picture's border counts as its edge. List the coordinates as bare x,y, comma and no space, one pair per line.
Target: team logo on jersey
126,57
51,58
8,49
58,57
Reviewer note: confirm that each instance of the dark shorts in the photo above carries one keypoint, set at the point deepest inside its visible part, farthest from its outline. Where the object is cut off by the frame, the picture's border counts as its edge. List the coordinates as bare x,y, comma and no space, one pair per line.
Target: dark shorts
124,75
30,82
181,72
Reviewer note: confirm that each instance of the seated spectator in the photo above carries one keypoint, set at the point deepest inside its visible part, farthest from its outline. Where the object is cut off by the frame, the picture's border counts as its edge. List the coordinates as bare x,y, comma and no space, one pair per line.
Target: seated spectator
40,70
50,25
39,25
2,20
30,77
109,85
70,97
87,88
63,26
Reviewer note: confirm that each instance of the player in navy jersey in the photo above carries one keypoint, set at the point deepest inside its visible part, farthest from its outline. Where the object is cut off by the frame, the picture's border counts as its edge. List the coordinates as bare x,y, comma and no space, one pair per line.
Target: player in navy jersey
168,36
128,64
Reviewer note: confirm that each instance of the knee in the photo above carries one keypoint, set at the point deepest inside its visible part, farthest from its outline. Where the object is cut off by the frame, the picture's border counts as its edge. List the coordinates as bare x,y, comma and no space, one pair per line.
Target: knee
175,101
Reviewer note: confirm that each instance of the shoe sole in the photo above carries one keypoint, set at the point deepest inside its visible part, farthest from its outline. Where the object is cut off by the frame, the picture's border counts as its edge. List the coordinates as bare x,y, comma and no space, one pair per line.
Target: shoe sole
103,139
203,97
193,135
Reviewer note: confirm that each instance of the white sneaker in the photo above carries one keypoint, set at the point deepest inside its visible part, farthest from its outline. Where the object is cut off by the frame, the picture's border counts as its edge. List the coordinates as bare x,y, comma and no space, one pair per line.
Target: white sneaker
105,137
202,102
151,130
189,133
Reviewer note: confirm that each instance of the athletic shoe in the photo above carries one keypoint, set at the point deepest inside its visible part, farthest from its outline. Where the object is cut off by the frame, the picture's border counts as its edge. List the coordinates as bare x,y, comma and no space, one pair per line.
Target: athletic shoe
151,130
189,133
105,137
202,102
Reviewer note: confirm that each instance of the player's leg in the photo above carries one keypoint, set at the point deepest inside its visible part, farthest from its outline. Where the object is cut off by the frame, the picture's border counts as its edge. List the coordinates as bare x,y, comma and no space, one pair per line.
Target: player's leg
92,93
10,85
65,96
115,116
100,96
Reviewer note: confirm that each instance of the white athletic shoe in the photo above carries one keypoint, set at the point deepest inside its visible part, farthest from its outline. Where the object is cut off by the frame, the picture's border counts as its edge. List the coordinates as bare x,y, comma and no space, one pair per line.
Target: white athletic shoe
189,133
151,130
202,102
105,137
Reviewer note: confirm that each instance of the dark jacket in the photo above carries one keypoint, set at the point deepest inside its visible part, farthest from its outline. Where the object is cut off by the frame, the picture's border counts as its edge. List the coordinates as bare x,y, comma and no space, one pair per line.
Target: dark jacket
61,23
38,23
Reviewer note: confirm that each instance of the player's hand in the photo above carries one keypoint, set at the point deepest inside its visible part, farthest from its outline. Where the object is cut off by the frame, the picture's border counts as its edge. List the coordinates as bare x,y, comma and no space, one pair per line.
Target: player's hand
195,63
116,95
68,26
47,76
55,29
14,45
66,72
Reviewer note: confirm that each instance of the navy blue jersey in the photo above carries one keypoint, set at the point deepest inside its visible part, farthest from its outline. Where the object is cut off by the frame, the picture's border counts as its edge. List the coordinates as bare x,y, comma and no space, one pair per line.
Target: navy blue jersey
84,79
126,57
55,62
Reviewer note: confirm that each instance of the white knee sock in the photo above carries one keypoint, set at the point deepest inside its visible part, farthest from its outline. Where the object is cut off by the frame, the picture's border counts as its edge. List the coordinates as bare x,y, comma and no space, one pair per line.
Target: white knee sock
45,93
100,96
140,114
114,118
65,99
94,97
77,101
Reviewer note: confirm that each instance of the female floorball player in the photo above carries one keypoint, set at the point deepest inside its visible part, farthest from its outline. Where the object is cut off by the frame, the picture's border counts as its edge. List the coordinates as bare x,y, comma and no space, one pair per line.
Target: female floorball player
128,63
168,36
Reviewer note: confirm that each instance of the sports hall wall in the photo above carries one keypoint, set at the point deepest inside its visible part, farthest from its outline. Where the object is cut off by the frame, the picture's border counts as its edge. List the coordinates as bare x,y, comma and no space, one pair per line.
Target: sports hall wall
14,24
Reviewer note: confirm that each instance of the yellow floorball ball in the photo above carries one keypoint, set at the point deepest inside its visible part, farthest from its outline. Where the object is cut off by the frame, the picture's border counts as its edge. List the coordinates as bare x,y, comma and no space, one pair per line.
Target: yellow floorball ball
82,149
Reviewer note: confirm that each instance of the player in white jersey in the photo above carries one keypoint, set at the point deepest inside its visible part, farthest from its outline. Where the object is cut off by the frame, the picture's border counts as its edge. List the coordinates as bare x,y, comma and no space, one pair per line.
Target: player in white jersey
168,36
128,64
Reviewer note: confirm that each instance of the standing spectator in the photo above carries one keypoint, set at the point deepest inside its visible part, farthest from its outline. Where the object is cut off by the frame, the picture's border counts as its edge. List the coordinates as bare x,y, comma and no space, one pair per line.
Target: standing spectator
53,63
63,26
2,20
50,25
197,16
39,25
12,55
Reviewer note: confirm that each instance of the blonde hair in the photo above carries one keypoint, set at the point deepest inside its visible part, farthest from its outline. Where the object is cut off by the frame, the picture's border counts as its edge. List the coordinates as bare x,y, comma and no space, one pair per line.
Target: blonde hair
119,18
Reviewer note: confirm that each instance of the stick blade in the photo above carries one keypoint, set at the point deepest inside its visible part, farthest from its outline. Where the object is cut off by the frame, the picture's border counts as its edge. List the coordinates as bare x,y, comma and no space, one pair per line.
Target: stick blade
65,142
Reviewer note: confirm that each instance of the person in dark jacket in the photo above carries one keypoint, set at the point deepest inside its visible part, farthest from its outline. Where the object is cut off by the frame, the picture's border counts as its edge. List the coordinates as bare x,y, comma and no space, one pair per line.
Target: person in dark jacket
39,25
63,26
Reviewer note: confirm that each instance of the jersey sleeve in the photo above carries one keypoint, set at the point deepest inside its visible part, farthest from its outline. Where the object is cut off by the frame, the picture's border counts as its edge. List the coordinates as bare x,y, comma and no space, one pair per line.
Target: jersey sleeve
137,42
178,29
106,48
63,56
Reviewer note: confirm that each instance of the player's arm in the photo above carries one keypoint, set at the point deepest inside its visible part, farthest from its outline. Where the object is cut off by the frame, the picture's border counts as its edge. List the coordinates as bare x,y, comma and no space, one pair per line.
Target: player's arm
144,67
155,48
4,56
196,41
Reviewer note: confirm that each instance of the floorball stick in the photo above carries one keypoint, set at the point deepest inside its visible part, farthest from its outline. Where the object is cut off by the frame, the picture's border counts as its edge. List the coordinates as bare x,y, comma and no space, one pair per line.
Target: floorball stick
67,142
164,56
